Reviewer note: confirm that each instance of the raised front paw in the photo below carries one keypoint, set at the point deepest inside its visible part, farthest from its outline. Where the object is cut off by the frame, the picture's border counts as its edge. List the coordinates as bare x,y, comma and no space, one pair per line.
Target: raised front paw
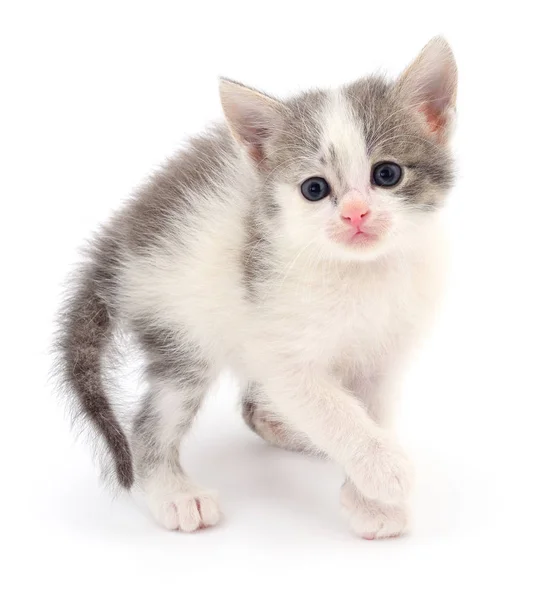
383,473
371,519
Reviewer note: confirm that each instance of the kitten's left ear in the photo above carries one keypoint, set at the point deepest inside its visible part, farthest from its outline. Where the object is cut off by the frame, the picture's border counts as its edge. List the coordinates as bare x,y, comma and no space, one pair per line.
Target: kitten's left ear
429,84
251,116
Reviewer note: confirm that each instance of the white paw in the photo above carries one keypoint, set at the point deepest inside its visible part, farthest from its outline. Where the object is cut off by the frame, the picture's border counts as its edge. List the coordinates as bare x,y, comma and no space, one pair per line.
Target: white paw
189,508
384,473
371,519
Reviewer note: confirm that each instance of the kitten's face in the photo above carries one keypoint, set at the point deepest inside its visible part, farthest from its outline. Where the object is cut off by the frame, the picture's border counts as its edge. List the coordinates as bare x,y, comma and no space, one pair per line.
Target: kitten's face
354,172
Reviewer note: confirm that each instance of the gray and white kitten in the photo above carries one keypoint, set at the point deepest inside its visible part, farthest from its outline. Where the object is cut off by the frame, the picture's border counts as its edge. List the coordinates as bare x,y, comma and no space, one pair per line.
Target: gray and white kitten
300,246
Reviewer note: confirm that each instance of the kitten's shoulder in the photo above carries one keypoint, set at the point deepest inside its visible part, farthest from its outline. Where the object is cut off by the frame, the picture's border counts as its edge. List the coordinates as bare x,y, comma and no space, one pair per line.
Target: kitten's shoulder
176,190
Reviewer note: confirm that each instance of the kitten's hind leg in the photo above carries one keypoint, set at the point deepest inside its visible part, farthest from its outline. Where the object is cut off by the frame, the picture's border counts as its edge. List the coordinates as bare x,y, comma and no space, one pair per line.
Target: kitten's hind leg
179,376
266,424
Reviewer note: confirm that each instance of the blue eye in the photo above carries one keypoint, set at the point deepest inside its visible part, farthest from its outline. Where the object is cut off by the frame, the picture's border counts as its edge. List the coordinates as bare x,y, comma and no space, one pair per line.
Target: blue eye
386,174
315,188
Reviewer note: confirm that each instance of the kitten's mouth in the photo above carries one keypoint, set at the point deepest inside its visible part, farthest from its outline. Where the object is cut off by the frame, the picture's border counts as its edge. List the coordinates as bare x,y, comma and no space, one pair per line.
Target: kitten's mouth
361,237
357,238
364,236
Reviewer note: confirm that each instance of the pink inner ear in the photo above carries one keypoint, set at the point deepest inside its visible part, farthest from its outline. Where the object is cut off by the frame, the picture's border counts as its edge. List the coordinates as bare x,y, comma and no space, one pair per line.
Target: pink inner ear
255,137
256,153
435,120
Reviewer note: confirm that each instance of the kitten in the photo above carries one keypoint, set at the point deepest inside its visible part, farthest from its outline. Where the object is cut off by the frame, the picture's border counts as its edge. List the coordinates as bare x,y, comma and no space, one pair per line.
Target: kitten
298,245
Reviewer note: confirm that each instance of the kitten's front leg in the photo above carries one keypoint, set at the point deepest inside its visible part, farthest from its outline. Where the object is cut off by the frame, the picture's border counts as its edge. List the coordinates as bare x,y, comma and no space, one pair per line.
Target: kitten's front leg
338,424
379,392
373,519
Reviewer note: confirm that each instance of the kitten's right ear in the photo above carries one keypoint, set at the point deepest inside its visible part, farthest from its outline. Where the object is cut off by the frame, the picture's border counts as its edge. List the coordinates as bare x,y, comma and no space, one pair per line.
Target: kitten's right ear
251,116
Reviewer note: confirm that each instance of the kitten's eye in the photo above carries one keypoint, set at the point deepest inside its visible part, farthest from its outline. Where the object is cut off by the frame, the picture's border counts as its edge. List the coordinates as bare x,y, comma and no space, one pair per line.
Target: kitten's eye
315,188
386,174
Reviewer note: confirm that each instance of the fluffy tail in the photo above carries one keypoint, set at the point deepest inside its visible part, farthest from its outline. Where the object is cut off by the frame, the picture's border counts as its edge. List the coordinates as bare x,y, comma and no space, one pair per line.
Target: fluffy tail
86,327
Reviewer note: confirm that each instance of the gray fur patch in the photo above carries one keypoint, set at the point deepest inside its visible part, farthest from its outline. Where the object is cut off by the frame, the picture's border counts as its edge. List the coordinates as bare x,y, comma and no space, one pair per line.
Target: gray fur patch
298,141
393,131
166,197
172,357
255,258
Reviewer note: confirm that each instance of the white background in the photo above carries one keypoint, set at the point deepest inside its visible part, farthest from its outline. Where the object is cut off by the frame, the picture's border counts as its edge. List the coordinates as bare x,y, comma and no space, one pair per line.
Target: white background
94,94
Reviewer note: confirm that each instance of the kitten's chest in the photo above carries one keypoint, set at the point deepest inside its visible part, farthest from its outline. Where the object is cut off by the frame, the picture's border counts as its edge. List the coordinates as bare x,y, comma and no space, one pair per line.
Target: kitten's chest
351,313
359,314
368,314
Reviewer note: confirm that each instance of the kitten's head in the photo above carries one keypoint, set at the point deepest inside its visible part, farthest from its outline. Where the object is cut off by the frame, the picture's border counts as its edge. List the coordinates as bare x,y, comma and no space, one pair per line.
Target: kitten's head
354,171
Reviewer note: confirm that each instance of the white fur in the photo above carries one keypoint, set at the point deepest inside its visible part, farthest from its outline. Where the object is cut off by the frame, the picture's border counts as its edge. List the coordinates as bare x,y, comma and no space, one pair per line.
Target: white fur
178,503
372,520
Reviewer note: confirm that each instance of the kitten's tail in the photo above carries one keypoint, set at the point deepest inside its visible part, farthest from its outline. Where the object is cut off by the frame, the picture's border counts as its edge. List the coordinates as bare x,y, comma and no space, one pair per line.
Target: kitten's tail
84,332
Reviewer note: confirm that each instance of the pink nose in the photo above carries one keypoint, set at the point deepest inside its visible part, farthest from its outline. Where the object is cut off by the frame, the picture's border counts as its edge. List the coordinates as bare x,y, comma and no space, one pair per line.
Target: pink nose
355,212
